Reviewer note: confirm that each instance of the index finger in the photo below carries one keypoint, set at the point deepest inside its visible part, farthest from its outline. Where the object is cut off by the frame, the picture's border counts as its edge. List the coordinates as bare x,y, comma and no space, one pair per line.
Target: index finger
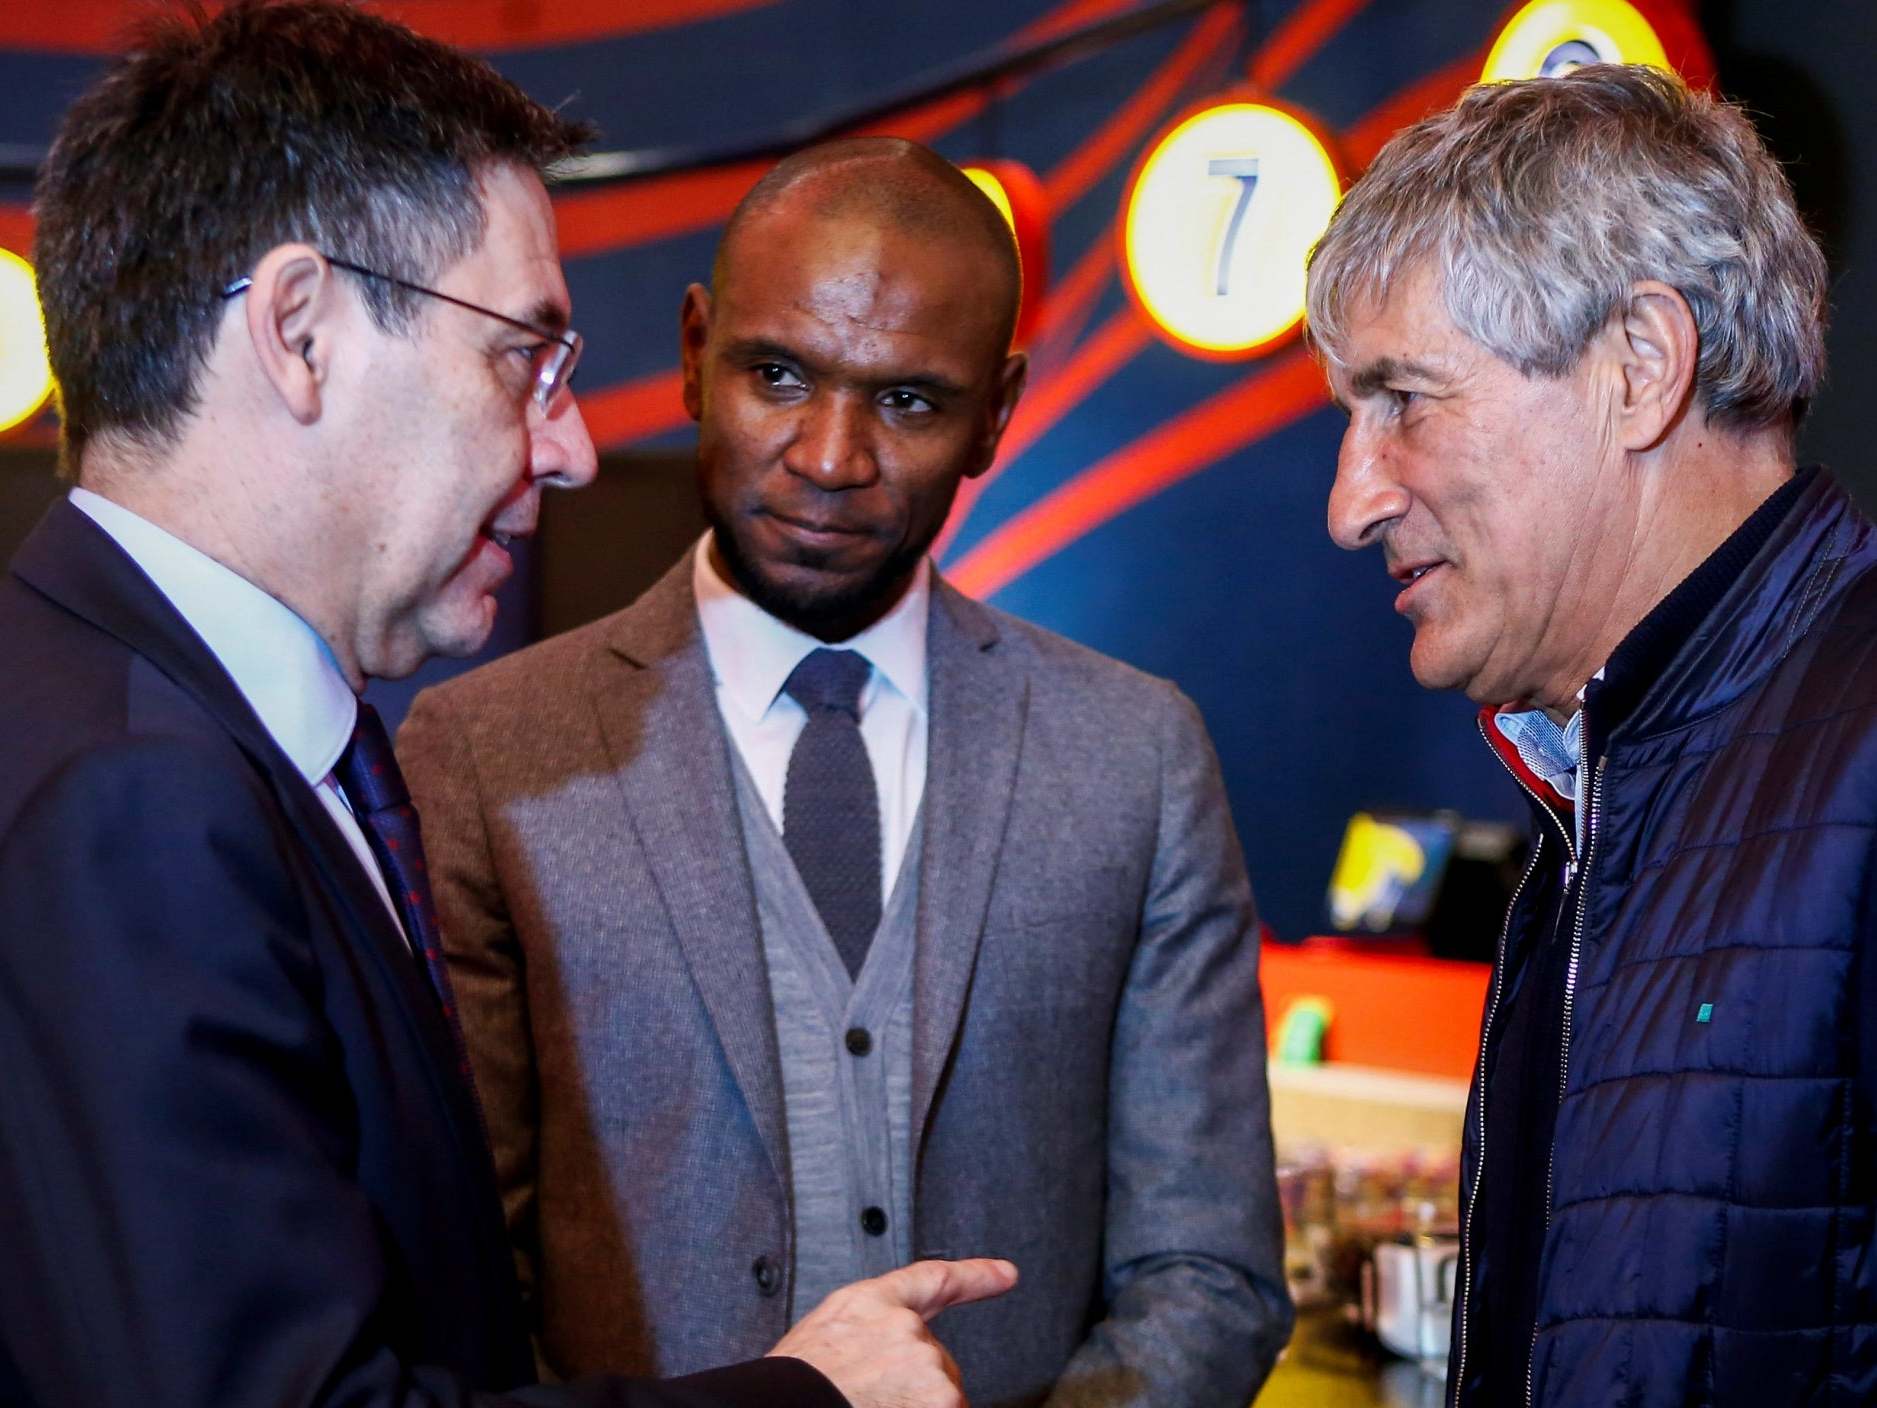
929,1287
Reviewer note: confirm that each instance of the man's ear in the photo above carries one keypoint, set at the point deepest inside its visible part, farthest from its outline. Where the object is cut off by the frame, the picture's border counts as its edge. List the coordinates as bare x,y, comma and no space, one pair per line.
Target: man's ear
1659,350
1010,379
294,315
693,337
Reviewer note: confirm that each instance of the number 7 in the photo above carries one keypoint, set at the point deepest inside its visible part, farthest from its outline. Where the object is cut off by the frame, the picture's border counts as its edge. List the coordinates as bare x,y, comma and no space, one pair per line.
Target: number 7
1245,168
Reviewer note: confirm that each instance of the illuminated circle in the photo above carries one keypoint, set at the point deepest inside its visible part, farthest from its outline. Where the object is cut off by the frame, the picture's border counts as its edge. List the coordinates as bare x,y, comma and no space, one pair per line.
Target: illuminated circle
1218,220
985,181
1018,195
1549,38
25,375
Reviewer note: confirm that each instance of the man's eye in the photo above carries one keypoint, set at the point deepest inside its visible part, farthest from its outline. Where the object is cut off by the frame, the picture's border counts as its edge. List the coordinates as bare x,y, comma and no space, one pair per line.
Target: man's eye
906,402
776,376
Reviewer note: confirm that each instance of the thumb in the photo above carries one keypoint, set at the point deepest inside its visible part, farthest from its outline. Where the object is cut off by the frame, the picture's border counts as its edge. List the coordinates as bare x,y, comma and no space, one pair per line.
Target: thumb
929,1287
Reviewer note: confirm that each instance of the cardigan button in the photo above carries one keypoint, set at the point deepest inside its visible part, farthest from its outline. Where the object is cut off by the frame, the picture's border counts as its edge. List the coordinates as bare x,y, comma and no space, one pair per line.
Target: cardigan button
768,1275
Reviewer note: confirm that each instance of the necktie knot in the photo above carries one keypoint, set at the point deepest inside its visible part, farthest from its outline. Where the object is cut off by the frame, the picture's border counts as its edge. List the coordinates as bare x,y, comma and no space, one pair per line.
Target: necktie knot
368,769
829,680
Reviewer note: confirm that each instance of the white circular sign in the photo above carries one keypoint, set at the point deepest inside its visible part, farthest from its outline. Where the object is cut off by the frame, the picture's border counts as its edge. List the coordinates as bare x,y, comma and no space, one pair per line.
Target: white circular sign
1222,212
25,374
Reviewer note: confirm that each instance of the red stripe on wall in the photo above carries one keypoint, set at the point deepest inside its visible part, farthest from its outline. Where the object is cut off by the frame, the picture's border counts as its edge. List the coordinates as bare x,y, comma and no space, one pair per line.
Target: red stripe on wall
662,207
101,26
1110,348
1438,90
16,229
1292,44
665,207
1305,30
592,222
1069,301
1262,403
1064,18
636,410
1097,156
517,24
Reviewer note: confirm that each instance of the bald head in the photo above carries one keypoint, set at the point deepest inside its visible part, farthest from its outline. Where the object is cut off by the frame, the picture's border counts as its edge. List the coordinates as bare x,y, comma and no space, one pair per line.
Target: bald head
882,183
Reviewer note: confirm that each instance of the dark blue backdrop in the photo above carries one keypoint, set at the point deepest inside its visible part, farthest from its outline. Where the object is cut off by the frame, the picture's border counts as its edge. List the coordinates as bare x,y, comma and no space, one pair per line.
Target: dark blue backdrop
1223,578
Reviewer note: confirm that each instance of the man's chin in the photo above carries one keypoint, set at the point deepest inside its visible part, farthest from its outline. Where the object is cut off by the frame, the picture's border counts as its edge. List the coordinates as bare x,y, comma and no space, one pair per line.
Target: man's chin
453,636
1435,668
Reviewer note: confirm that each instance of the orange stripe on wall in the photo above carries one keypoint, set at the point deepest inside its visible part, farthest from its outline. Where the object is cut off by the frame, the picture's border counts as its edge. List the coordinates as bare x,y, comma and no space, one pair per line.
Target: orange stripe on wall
1064,18
1070,299
663,207
592,222
636,410
16,229
1112,347
1259,405
1108,349
1300,36
1305,30
101,26
516,24
1091,161
1438,90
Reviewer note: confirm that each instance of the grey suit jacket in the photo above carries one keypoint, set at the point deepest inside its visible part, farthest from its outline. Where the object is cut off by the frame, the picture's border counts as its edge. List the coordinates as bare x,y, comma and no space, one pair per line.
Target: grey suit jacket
1088,1070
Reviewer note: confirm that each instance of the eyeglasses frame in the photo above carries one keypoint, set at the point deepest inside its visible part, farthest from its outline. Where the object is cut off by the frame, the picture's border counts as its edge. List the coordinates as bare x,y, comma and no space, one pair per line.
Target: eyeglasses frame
554,374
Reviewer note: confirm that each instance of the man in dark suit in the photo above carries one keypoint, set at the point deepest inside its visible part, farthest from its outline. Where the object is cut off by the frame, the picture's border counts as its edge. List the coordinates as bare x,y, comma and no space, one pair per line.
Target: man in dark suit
768,990
312,339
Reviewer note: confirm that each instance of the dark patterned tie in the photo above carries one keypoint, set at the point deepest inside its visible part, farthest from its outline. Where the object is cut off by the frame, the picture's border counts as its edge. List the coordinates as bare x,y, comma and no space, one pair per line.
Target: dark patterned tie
830,808
373,783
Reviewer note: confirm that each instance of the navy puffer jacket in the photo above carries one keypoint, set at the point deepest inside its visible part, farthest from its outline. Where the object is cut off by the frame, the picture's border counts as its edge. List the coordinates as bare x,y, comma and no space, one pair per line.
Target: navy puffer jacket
1712,1238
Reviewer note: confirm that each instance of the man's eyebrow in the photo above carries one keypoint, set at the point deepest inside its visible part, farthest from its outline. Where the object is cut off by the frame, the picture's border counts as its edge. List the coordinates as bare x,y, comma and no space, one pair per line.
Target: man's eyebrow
753,349
924,381
748,349
1372,377
549,313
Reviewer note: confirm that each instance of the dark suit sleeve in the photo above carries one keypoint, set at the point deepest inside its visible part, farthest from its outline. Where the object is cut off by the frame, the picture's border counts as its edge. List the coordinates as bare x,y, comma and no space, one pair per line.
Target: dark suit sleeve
177,1221
1193,1240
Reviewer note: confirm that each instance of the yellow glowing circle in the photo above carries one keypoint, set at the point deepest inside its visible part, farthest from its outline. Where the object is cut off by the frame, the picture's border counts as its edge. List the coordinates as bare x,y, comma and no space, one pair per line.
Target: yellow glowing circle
25,375
993,188
1551,37
1221,216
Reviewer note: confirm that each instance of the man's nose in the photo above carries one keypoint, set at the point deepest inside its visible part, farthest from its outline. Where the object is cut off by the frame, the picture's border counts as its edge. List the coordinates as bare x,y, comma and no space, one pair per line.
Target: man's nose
561,450
833,443
1366,496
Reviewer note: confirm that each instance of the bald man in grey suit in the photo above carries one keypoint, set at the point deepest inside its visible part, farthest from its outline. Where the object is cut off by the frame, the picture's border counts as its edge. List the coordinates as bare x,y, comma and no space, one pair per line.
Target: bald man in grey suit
708,1105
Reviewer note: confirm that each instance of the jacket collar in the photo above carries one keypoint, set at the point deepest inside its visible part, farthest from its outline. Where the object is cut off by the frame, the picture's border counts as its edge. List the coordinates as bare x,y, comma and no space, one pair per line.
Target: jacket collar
979,698
1742,611
72,561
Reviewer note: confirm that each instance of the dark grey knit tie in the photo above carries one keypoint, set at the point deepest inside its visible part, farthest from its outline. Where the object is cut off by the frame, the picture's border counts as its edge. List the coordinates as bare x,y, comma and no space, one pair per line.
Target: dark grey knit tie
830,808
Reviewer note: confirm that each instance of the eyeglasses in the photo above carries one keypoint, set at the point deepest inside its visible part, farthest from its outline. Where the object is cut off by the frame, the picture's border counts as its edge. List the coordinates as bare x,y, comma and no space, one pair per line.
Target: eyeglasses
554,362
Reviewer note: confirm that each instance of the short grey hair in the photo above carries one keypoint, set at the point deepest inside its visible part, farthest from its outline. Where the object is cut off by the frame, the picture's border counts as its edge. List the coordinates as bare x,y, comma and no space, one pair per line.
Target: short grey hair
1541,203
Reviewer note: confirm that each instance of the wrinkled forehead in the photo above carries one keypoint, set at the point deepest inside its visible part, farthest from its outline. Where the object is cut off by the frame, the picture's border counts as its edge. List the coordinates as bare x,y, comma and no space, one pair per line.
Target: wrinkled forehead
1400,314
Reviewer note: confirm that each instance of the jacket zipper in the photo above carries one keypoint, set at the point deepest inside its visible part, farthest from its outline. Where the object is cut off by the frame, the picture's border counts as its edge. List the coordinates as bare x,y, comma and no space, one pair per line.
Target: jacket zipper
1570,1003
1458,1378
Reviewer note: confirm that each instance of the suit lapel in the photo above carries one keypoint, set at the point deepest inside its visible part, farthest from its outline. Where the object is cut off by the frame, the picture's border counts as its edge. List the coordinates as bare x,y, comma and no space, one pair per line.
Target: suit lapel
74,562
978,704
658,714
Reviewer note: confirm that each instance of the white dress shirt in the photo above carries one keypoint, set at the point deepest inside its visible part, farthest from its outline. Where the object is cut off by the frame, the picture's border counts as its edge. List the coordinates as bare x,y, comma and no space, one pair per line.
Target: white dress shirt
752,655
278,662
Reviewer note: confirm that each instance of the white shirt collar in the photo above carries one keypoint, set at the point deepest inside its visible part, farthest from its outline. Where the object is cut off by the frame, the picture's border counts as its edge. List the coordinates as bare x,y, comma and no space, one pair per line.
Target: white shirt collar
282,666
753,654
